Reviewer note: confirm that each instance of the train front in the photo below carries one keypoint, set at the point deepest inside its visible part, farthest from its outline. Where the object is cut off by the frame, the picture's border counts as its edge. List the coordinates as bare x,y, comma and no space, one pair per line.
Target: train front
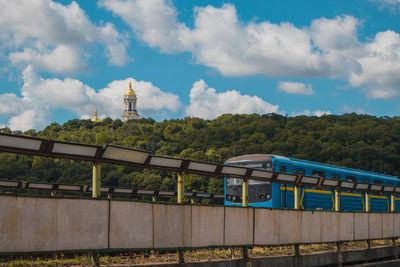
259,192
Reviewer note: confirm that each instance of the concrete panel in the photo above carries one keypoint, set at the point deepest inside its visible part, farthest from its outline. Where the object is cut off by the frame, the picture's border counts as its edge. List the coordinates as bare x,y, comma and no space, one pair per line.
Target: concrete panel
238,226
387,225
172,226
346,226
310,227
27,224
375,226
330,226
131,225
396,224
289,226
361,226
207,226
82,224
266,227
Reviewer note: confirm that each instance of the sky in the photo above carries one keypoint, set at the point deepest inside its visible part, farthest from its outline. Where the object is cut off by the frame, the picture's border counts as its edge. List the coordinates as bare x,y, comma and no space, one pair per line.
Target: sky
61,60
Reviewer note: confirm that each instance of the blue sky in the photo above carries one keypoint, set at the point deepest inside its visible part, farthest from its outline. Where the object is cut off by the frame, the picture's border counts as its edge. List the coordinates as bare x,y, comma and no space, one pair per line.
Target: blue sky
60,60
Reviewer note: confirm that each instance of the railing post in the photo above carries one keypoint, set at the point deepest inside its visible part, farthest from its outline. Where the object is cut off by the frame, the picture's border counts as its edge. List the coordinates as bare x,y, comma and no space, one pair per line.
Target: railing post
392,203
154,198
296,197
96,180
367,202
337,200
245,192
181,189
192,201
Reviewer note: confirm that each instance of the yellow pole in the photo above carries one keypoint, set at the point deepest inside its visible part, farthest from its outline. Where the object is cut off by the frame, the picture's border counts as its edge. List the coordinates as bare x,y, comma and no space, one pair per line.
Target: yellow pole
337,200
96,180
392,203
367,203
193,200
154,198
181,189
245,192
296,197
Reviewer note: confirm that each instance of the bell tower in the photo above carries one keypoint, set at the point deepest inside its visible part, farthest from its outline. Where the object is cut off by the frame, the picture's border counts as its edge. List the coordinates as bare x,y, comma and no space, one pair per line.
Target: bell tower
130,112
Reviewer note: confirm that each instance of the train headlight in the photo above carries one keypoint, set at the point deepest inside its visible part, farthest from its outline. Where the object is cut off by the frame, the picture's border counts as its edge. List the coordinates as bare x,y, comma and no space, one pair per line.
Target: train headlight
267,196
233,198
261,196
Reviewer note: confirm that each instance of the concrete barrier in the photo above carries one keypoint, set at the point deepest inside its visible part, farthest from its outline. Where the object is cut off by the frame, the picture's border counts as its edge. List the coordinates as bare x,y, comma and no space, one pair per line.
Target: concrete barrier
131,225
27,224
289,229
361,225
238,226
43,224
207,226
82,224
172,226
266,227
311,227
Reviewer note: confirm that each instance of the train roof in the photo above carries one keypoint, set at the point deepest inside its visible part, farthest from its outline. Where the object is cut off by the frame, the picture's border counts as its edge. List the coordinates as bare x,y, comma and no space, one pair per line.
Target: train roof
332,168
253,157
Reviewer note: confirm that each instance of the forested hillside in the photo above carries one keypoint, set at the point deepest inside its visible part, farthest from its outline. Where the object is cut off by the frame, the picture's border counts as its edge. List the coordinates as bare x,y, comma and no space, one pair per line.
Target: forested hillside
350,140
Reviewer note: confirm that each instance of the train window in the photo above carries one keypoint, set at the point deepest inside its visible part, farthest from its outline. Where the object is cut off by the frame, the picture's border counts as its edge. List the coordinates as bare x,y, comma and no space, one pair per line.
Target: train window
365,180
299,171
318,173
283,169
351,179
234,181
335,176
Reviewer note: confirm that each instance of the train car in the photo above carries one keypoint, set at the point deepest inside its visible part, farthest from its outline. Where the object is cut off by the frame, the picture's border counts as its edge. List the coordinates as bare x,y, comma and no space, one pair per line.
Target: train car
275,195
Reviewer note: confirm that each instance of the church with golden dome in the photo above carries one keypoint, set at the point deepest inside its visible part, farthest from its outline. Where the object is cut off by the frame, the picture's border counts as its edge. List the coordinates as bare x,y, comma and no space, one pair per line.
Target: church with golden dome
130,112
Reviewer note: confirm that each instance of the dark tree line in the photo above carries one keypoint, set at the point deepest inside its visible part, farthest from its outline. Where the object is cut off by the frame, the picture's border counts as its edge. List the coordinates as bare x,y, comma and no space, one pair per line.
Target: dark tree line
356,141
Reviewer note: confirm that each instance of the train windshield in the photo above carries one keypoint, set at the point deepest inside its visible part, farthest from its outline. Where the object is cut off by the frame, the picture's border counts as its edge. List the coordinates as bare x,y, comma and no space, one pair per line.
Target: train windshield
266,165
259,191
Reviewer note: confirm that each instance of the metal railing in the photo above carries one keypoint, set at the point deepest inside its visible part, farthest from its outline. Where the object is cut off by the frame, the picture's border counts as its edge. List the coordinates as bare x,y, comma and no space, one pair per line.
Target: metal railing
145,159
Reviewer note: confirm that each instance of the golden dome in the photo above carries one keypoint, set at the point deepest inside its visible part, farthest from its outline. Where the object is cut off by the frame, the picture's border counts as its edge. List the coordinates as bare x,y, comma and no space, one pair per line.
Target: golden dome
130,90
95,119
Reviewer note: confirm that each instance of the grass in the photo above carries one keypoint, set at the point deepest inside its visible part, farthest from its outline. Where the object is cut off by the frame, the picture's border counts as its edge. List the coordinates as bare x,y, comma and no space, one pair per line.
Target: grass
198,255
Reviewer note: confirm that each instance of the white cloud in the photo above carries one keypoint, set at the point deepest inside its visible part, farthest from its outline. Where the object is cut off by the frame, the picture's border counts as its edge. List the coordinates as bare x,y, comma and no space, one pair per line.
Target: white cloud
295,88
153,21
206,103
393,5
307,112
42,96
221,41
327,48
380,67
51,36
320,113
62,59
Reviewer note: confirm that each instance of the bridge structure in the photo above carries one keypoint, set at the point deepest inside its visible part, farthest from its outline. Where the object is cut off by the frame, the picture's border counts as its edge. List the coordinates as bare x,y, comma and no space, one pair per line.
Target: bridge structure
62,224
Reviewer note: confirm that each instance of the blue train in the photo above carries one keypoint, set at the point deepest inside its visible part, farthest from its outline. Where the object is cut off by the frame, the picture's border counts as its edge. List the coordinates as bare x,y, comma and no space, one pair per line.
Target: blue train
274,195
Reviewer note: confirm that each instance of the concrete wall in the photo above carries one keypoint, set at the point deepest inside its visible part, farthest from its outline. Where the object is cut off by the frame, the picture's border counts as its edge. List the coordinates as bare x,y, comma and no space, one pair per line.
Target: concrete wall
44,224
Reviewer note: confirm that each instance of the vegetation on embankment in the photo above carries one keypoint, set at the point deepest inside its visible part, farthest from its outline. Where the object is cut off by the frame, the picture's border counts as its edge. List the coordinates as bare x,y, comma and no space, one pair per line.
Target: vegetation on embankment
351,140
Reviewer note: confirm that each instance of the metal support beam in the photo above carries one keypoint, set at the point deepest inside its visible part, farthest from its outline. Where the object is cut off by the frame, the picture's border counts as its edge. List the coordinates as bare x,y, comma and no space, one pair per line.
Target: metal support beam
337,200
181,189
392,203
296,197
96,180
245,192
181,256
367,203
